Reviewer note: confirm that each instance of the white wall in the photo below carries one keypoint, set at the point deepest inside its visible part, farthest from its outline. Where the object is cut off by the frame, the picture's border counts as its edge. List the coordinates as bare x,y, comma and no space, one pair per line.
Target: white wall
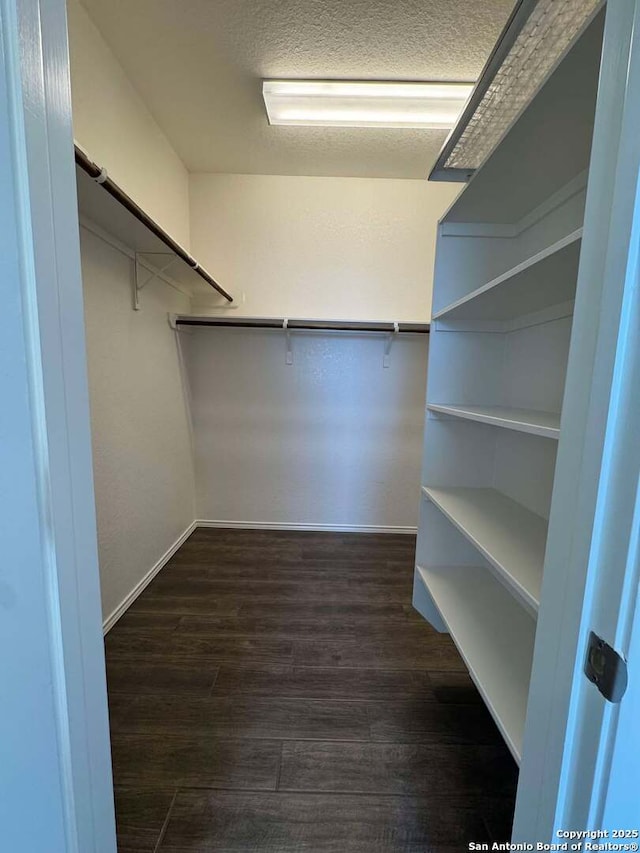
114,126
142,454
332,248
333,439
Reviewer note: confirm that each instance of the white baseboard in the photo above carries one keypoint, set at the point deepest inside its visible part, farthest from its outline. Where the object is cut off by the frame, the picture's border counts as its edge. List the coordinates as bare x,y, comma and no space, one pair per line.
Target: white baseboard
124,605
320,528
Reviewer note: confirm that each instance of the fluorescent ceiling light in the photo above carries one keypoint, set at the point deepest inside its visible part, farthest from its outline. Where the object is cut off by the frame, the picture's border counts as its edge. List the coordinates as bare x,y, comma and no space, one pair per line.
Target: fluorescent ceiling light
363,104
535,40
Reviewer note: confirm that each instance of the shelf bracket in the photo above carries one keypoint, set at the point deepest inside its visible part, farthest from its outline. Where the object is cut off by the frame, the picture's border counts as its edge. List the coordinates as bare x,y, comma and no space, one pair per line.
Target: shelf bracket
141,281
386,361
287,335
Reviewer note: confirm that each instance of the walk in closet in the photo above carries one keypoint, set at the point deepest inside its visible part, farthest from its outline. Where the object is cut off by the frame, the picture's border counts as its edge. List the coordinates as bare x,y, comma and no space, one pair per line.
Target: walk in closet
360,575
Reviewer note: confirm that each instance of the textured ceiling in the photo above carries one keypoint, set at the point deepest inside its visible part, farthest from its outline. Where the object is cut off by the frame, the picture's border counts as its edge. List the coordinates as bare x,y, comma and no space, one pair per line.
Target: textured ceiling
198,64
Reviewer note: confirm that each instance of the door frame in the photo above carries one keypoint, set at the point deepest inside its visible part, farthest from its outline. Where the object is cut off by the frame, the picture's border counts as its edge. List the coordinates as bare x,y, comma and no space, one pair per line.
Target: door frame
56,789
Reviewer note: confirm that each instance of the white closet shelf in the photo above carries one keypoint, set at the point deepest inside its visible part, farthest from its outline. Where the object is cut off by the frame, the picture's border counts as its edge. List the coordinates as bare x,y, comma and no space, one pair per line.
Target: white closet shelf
546,279
386,326
546,424
512,538
102,203
548,145
495,638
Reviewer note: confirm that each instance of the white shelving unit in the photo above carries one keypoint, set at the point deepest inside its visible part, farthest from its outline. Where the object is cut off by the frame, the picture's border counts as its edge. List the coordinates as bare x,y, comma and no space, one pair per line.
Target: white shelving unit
499,662
509,536
507,268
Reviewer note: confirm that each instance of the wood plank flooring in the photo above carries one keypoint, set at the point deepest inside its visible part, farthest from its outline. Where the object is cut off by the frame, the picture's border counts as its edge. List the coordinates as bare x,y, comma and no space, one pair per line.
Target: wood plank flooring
275,692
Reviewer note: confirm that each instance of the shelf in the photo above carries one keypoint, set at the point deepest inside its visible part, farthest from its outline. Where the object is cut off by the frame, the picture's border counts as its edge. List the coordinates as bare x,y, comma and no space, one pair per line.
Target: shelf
546,279
388,327
106,205
546,424
494,637
512,538
547,146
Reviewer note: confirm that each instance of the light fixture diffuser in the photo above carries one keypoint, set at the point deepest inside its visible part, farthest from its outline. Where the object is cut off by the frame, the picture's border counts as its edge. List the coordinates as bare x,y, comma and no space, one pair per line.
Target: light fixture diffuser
349,103
537,37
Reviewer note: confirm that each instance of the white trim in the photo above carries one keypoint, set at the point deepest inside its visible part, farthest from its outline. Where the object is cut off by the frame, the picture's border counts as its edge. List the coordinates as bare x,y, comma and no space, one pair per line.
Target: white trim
525,321
538,318
478,229
142,584
319,528
54,617
563,195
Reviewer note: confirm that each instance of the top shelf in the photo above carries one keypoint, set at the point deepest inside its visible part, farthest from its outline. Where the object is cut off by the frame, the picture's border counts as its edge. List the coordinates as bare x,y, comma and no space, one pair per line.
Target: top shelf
548,146
106,205
546,279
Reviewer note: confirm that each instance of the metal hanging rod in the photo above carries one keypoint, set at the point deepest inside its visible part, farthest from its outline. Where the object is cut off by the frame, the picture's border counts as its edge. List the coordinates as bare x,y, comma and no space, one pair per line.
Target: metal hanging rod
302,325
100,176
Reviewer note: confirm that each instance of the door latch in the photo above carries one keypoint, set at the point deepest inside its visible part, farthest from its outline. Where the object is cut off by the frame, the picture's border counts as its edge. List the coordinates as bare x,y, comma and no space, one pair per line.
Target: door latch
605,668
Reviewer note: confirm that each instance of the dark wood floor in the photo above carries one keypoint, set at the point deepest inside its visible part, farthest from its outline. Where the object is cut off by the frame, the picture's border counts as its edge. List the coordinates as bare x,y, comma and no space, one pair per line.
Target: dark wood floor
276,692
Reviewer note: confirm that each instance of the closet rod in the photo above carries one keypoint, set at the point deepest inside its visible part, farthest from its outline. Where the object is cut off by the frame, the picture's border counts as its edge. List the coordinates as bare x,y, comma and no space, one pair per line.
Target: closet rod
303,325
100,176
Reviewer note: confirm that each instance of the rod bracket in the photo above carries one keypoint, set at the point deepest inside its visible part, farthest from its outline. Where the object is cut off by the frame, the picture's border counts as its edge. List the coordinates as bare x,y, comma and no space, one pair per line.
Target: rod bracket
386,360
145,273
287,336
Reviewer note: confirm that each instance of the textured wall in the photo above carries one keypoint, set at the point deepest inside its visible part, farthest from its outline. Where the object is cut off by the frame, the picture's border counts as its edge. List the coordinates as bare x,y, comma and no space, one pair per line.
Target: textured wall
115,127
141,438
141,441
334,248
333,439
